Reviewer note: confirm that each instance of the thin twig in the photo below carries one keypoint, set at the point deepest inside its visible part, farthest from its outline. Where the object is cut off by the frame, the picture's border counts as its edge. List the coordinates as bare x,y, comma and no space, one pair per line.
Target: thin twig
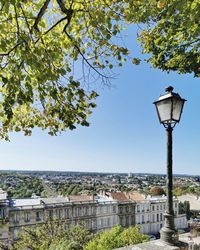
84,58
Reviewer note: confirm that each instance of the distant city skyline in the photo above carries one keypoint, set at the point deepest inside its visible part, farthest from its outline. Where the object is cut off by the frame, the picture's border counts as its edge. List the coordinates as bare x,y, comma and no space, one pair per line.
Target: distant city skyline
124,133
63,172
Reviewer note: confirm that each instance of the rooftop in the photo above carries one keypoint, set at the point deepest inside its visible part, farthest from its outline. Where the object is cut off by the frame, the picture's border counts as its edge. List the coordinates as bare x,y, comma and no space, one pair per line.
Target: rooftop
136,196
119,196
24,202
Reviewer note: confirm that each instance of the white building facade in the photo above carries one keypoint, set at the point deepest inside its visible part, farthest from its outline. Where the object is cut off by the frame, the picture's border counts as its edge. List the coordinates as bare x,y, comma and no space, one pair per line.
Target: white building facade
149,214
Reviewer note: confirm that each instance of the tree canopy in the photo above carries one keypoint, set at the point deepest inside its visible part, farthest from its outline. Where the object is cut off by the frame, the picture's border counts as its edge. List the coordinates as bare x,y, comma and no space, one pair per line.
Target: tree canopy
172,35
53,236
157,191
52,53
117,237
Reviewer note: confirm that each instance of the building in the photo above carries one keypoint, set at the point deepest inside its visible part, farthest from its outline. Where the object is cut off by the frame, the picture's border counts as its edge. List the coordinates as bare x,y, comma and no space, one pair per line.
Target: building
150,211
94,213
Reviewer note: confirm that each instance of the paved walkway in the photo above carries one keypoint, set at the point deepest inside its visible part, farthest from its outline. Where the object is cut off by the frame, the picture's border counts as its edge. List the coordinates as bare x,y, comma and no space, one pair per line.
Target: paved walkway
155,245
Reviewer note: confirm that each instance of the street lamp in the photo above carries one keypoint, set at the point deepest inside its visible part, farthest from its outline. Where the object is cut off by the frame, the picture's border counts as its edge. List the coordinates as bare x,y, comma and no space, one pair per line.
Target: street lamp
169,109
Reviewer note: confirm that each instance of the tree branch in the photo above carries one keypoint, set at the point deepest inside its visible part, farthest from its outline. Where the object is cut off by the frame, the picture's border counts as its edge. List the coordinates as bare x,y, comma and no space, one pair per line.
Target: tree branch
62,7
17,23
8,53
68,12
40,14
52,27
28,26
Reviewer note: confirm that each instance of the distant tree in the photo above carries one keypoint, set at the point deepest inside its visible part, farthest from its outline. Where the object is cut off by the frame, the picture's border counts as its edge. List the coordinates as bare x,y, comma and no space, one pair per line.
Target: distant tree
190,190
76,190
157,191
115,238
184,208
178,191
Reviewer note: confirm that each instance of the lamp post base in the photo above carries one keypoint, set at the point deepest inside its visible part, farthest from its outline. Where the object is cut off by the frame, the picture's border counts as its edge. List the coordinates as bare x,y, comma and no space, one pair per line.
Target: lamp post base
168,233
169,236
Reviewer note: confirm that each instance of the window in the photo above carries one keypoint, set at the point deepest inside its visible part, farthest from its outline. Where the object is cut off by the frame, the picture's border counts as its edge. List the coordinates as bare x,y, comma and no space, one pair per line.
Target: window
94,210
50,213
157,217
143,219
138,208
3,213
161,217
153,208
121,221
107,209
87,224
77,211
108,222
114,209
67,213
114,220
153,218
101,222
157,207
100,209
85,211
160,207
16,217
15,233
94,223
127,220
26,217
132,220
127,209
38,216
120,210
59,213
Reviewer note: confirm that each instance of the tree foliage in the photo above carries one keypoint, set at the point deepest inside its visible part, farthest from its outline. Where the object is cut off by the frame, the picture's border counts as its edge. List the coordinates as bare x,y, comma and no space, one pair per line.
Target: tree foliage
50,50
184,208
171,35
53,236
186,189
157,191
117,237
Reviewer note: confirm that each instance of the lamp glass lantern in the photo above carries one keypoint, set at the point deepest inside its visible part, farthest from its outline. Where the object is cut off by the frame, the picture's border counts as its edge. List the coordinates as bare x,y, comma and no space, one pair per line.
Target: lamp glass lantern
169,107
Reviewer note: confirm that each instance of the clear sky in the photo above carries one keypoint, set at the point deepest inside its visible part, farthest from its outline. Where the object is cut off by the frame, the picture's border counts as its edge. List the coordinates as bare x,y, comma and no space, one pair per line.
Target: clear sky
124,135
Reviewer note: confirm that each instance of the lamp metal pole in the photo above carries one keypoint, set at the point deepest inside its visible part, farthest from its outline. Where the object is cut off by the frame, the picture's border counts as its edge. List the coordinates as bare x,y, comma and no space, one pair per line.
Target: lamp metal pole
168,232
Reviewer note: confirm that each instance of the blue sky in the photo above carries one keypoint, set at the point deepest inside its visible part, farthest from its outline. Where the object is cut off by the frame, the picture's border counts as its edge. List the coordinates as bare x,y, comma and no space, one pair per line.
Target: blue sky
124,135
